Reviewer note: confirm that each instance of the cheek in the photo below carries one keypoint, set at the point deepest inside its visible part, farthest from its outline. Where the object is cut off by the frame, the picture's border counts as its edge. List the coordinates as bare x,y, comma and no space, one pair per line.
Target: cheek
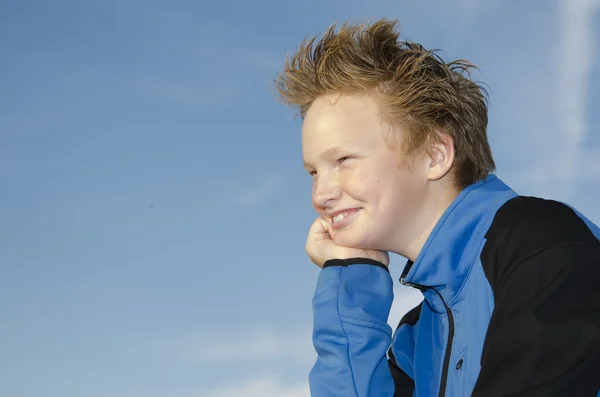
392,194
356,185
404,196
374,189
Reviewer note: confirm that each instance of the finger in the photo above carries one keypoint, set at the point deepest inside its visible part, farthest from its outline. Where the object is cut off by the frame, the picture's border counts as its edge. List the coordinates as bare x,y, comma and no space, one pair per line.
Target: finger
319,228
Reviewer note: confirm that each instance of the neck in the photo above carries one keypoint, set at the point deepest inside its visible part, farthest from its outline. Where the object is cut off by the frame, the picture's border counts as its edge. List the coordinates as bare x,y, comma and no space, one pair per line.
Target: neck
430,211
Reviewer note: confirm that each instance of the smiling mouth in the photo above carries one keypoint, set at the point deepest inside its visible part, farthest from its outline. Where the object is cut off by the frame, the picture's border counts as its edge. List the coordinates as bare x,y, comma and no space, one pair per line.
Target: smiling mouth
339,219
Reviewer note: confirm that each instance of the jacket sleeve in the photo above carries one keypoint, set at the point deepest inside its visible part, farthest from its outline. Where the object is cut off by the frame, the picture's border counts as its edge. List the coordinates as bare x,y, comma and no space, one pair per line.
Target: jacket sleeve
351,305
544,334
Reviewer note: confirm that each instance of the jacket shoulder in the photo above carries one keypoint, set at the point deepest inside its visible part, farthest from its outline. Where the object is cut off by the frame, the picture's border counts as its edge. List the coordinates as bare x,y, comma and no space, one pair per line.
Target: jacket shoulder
527,226
533,223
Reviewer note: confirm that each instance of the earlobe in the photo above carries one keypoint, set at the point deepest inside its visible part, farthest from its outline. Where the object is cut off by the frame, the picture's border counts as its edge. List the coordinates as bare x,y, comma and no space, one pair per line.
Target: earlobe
441,155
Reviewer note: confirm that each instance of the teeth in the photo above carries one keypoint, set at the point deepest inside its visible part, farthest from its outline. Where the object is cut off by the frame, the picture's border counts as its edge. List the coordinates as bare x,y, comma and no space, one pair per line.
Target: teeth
339,217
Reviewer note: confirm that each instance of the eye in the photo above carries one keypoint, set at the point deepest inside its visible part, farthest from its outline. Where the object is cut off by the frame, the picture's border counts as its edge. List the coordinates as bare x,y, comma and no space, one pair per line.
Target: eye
344,158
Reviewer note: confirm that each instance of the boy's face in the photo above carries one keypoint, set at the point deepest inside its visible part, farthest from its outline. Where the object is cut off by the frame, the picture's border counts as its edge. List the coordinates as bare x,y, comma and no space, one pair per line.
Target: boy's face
359,186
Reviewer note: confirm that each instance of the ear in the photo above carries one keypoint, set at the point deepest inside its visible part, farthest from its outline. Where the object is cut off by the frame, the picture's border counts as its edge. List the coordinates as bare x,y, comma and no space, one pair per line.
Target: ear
441,155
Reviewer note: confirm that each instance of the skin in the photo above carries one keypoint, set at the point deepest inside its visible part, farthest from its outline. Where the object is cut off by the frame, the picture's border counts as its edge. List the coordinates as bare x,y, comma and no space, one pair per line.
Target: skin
390,206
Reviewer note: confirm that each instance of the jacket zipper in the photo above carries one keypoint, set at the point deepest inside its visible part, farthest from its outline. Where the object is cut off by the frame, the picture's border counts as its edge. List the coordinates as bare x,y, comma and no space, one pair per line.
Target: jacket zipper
444,380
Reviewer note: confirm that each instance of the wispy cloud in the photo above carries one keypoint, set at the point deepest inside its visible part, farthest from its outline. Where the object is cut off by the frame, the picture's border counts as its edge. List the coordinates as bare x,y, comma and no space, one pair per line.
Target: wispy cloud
577,58
253,346
258,193
263,387
557,117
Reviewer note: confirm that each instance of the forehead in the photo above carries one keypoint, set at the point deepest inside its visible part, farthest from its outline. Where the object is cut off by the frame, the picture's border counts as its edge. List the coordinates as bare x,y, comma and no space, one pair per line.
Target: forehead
335,120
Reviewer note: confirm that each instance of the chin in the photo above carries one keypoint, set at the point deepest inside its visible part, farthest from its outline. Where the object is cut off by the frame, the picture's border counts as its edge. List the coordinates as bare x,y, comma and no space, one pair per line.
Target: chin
355,240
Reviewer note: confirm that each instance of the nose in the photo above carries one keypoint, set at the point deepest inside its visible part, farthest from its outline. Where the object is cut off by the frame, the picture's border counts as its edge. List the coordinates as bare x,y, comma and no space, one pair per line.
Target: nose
326,189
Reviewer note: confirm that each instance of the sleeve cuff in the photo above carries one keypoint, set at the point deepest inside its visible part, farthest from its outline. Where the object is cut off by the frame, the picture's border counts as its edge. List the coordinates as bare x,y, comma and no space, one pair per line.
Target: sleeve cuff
354,261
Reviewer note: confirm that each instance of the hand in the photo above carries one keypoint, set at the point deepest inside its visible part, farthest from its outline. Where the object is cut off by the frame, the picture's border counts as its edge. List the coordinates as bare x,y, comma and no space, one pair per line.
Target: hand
320,247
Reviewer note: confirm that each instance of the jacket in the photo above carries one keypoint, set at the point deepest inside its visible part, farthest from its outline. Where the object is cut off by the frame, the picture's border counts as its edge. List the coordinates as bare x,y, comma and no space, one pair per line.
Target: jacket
511,307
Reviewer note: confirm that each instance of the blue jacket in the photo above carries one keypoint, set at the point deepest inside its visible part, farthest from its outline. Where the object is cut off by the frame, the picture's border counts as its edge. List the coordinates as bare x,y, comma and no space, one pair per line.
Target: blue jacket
511,289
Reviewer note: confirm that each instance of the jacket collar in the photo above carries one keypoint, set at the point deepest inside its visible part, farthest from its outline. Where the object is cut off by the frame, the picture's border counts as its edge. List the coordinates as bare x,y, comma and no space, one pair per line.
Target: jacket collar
457,239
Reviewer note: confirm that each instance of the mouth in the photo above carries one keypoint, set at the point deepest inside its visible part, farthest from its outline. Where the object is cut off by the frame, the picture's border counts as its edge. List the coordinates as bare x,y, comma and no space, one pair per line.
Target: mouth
341,218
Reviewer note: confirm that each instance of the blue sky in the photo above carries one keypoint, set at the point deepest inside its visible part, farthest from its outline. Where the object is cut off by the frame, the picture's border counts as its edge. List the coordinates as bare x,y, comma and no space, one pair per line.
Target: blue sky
154,206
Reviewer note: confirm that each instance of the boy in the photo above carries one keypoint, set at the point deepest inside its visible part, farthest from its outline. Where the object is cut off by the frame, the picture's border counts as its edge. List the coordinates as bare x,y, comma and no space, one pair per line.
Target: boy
395,141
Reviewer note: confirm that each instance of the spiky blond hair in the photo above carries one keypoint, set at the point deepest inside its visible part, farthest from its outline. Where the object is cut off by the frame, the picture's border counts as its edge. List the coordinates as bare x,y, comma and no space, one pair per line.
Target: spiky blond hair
414,87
